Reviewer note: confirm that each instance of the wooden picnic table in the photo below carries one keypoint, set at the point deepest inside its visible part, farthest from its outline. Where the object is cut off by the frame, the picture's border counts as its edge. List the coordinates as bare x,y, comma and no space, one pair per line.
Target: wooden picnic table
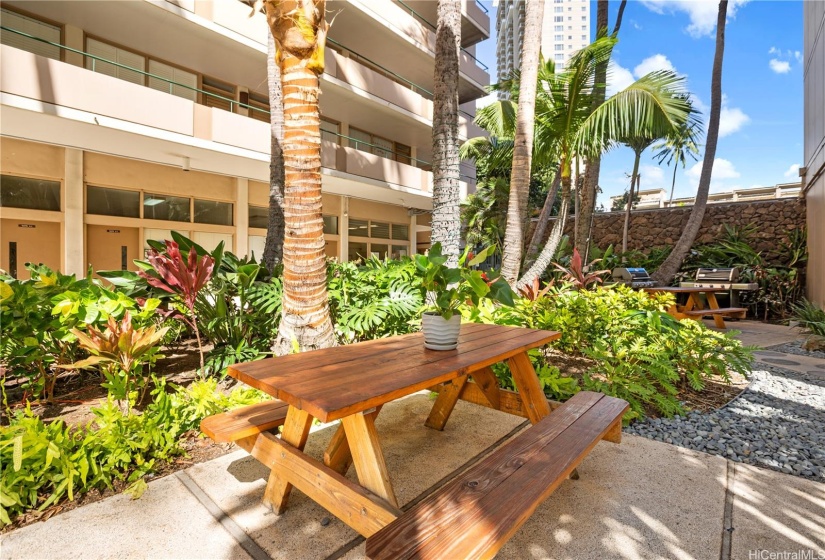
694,309
352,383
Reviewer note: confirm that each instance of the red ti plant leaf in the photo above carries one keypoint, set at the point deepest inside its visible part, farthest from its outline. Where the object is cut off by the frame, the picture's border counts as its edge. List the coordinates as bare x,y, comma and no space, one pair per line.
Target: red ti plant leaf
178,275
576,274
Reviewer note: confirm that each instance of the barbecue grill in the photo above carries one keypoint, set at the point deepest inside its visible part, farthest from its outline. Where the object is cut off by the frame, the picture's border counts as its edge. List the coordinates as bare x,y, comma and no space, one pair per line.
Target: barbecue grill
633,277
722,281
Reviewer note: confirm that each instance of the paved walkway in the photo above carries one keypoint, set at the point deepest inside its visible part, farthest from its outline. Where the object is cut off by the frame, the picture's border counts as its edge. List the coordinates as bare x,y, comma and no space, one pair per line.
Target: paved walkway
642,499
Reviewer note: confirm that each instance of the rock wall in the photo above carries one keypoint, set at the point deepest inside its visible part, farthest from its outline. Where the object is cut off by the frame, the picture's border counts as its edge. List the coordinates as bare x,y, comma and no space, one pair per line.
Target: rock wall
662,226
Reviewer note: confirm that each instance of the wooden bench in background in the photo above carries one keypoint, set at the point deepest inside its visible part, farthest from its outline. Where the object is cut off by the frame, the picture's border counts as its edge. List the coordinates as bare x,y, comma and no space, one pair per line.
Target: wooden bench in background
473,515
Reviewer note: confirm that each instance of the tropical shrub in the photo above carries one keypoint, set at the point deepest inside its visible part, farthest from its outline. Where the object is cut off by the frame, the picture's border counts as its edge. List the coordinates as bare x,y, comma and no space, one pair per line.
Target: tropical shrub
810,316
43,463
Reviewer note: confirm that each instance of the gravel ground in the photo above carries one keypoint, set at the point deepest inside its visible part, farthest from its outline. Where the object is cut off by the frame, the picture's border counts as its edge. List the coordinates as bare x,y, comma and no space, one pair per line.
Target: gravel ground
778,422
796,348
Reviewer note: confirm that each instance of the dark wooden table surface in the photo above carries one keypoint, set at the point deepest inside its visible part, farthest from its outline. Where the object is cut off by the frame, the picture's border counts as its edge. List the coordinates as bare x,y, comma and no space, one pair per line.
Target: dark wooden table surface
352,383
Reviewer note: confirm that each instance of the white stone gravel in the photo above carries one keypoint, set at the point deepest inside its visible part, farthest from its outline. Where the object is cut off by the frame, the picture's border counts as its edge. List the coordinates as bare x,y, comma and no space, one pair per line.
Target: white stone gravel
778,422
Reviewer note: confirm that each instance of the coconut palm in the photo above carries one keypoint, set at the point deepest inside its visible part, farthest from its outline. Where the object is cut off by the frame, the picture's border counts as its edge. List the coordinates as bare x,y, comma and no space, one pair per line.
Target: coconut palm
274,246
299,28
573,127
665,273
446,191
683,142
523,142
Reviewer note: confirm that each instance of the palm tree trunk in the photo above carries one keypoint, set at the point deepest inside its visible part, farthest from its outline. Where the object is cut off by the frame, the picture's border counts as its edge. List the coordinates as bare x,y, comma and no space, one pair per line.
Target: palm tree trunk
305,318
549,251
522,143
446,219
541,224
670,267
274,247
633,178
587,203
673,183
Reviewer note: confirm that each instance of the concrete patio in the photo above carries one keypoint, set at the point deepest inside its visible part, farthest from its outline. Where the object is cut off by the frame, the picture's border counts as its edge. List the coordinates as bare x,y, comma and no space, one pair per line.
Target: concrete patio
639,500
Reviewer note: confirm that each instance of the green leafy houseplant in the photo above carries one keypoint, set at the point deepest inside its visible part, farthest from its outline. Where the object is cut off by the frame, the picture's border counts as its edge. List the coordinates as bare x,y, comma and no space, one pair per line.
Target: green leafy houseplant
449,288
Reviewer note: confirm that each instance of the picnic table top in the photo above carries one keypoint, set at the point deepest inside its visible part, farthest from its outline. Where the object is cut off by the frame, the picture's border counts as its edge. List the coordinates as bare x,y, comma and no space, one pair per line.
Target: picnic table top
680,289
332,383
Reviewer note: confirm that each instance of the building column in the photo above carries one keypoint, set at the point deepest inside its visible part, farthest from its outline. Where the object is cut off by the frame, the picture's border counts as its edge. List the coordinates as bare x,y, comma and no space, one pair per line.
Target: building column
242,217
343,230
73,37
413,233
73,258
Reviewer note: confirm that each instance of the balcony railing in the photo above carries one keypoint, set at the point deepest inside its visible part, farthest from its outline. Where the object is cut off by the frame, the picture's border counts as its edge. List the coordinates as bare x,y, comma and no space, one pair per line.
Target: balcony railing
357,143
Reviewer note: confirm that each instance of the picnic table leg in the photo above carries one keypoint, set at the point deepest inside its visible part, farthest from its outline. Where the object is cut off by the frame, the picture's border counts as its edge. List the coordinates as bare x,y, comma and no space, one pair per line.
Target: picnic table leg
714,304
529,389
445,403
295,433
338,456
367,456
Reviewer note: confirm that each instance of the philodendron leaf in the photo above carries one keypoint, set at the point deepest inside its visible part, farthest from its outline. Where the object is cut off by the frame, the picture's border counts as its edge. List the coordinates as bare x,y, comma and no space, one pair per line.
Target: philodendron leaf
501,291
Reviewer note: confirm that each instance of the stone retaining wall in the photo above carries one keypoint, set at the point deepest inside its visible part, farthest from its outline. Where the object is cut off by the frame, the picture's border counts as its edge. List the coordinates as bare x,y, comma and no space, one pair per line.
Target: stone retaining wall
662,226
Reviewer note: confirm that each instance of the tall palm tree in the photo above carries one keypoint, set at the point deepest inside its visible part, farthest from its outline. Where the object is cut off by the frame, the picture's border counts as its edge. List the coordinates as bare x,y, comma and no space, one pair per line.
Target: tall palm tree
665,273
522,142
638,144
299,28
574,127
274,246
677,147
446,221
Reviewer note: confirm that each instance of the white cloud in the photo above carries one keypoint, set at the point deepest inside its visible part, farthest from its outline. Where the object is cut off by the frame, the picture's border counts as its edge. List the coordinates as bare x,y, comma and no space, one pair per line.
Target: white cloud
798,56
731,119
652,177
652,64
618,78
722,170
793,171
702,13
780,66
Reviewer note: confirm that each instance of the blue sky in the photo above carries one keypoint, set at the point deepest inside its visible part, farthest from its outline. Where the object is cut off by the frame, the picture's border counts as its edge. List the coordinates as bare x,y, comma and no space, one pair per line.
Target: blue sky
761,129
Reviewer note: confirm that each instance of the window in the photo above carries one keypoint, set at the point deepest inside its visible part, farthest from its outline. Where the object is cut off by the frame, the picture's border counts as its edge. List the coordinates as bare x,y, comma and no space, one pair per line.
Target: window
375,239
175,75
258,217
162,207
331,225
559,37
34,194
559,57
569,37
558,9
258,106
330,130
112,202
559,28
584,8
111,53
218,94
401,232
380,230
584,28
32,27
366,142
213,212
558,18
584,37
584,18
559,47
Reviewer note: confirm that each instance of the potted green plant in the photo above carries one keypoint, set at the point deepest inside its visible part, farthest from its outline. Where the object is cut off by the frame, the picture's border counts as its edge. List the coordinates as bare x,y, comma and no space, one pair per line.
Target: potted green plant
448,288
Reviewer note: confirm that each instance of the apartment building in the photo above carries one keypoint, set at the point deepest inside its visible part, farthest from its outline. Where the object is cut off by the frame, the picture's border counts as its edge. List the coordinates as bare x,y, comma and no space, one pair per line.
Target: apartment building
565,30
813,172
660,198
124,120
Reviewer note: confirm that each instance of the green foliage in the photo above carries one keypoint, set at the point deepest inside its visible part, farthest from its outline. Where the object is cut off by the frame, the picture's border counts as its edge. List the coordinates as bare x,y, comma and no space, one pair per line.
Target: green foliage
810,316
373,300
449,288
639,353
43,463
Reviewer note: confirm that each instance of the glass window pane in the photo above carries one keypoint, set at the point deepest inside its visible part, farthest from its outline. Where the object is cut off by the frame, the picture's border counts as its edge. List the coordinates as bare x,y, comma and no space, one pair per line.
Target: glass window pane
360,140
331,225
213,212
112,202
35,194
400,232
399,251
382,147
32,27
379,230
358,228
357,250
379,251
258,217
329,130
162,207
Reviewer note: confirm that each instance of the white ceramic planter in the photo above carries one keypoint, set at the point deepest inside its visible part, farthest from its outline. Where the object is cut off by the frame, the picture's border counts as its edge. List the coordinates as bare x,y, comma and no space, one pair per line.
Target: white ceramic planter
439,333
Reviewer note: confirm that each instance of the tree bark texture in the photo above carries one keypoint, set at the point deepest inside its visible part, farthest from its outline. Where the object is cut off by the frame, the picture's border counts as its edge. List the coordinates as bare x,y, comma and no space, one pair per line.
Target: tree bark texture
541,225
523,143
274,246
634,179
549,251
587,201
672,264
305,321
446,218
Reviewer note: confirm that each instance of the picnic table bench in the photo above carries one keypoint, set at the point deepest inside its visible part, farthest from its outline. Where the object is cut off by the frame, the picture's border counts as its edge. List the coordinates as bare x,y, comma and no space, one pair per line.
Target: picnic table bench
693,308
473,515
